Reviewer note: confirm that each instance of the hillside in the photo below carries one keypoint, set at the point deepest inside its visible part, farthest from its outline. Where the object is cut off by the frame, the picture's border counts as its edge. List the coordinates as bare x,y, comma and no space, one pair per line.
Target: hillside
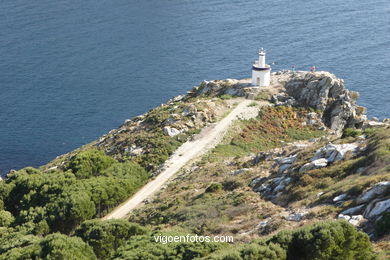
301,173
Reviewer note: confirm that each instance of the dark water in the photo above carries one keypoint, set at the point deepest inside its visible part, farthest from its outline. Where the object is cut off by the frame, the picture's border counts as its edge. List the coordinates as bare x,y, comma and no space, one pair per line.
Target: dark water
72,70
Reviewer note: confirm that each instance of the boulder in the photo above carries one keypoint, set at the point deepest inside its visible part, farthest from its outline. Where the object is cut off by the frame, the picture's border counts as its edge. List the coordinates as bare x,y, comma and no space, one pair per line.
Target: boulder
287,160
356,220
282,184
297,216
340,197
283,168
334,152
178,98
171,131
189,110
354,210
257,180
173,118
377,209
134,150
236,172
377,190
375,124
319,163
345,217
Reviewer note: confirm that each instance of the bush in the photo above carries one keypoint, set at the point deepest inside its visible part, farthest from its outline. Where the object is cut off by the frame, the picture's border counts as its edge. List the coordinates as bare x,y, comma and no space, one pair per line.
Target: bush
58,246
107,236
231,184
214,187
89,163
270,252
225,96
6,218
146,247
382,226
356,190
18,245
350,132
326,240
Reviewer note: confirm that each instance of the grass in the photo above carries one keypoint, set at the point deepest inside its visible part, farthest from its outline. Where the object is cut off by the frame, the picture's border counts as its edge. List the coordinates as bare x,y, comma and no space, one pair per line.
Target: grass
270,129
253,104
226,96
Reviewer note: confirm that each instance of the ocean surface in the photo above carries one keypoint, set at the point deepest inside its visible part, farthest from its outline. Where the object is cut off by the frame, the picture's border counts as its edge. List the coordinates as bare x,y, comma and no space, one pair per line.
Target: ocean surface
72,70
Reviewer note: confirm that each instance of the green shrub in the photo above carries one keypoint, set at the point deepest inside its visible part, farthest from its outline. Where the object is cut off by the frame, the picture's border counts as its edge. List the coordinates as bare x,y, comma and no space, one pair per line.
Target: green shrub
19,245
350,132
89,163
382,226
214,187
146,247
107,236
356,190
326,240
58,246
225,96
270,252
231,184
6,218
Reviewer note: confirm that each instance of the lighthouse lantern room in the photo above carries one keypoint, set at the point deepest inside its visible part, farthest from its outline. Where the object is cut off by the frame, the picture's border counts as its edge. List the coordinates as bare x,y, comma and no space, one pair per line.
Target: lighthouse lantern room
261,72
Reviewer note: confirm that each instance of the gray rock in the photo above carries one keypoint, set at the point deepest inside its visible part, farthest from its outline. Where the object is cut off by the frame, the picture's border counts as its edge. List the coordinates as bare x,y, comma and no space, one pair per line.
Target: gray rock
340,197
282,184
263,224
326,93
375,124
377,209
354,210
178,98
236,172
189,110
257,180
297,216
319,163
378,189
262,188
356,220
334,152
287,160
170,121
171,131
134,150
283,168
218,87
342,216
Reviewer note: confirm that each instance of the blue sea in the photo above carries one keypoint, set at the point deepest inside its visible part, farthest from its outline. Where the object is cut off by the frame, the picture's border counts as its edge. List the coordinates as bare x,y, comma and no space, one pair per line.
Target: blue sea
72,70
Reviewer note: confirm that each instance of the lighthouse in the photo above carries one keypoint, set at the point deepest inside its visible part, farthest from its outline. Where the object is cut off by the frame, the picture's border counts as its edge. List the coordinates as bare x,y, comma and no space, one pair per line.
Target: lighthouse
261,72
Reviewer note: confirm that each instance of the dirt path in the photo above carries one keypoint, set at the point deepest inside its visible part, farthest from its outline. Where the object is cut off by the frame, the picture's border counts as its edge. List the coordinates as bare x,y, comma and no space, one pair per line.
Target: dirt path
206,140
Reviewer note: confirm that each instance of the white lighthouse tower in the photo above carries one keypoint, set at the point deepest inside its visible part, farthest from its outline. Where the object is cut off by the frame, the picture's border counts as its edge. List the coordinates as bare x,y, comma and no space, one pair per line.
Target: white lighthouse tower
261,72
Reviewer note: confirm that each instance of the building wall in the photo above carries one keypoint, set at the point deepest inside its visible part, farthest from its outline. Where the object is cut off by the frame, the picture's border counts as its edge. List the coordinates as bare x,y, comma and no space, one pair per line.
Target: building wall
265,77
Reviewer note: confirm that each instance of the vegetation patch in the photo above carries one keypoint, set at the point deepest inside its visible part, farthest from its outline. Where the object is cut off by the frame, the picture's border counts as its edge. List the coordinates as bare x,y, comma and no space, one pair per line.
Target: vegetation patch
270,129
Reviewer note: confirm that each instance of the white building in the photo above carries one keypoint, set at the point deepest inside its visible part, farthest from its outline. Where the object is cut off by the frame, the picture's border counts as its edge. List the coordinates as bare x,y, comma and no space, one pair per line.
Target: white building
261,72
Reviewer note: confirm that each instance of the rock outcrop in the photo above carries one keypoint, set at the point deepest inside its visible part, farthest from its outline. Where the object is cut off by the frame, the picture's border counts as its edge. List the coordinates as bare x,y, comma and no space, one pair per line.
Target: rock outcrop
217,88
334,152
326,93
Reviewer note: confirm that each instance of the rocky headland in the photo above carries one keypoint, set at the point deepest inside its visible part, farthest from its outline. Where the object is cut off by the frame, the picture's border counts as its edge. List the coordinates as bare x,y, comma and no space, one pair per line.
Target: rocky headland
301,152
